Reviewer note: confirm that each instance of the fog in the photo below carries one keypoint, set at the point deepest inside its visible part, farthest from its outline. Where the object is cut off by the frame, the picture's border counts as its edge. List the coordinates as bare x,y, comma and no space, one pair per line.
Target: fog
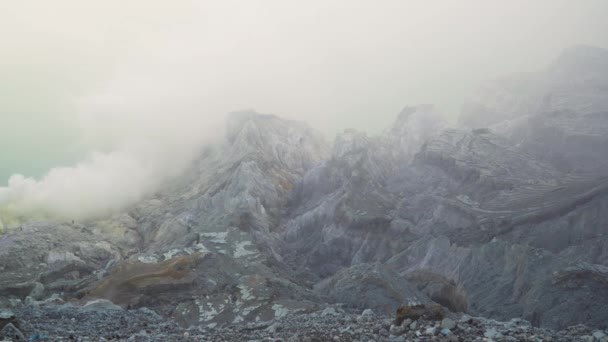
101,101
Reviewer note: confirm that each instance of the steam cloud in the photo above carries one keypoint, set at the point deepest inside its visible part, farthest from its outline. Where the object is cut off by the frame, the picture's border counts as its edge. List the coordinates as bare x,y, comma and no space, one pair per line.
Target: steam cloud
149,80
144,126
144,139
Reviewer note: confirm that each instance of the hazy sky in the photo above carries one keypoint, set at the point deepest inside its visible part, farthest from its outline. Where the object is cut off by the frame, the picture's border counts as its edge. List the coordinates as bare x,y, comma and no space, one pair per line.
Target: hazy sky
78,76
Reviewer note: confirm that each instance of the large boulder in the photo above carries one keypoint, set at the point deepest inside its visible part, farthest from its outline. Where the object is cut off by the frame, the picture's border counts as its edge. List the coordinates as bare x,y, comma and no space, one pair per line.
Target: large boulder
7,317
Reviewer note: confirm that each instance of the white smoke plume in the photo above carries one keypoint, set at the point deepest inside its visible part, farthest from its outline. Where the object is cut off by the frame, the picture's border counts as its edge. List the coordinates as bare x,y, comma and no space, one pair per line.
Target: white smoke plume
149,80
144,127
139,149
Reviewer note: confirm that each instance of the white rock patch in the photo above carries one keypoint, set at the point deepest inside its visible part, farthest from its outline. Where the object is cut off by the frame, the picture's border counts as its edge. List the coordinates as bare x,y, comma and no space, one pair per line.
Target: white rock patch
279,310
240,250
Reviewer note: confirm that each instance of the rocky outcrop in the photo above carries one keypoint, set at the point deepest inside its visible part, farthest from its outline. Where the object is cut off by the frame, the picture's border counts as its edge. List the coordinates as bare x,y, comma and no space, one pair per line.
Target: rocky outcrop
243,183
7,317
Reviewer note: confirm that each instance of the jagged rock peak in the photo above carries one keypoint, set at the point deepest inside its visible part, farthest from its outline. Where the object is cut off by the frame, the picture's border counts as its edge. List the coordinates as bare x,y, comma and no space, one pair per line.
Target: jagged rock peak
410,113
415,125
349,142
251,121
249,131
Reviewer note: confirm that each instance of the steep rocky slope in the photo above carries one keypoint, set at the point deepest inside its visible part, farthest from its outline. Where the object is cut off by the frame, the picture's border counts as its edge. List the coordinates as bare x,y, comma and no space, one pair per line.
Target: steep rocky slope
559,114
273,221
200,251
494,219
471,208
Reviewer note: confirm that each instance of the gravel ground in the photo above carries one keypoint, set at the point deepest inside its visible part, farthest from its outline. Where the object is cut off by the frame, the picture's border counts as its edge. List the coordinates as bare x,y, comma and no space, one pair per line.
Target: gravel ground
103,323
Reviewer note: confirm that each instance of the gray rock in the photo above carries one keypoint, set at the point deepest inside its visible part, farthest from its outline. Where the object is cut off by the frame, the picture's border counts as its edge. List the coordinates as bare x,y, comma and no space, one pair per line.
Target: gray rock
274,328
431,331
101,305
367,312
395,330
150,312
465,318
6,314
329,311
30,301
599,335
406,323
37,292
448,323
11,332
492,333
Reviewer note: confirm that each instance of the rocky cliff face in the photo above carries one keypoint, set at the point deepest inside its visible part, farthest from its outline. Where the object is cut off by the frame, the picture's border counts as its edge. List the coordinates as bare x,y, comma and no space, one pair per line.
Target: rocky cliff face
202,251
559,114
503,217
495,214
471,209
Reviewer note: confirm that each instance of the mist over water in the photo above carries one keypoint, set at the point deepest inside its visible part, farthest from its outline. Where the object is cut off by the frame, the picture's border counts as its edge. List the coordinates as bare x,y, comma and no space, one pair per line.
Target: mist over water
103,101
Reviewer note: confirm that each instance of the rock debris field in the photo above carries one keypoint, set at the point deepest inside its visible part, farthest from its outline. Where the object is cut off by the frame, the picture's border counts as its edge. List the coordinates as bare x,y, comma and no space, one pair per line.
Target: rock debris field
106,322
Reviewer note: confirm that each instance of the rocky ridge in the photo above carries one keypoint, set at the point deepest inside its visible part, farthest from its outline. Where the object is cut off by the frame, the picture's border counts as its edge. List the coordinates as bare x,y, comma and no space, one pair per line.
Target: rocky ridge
275,227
